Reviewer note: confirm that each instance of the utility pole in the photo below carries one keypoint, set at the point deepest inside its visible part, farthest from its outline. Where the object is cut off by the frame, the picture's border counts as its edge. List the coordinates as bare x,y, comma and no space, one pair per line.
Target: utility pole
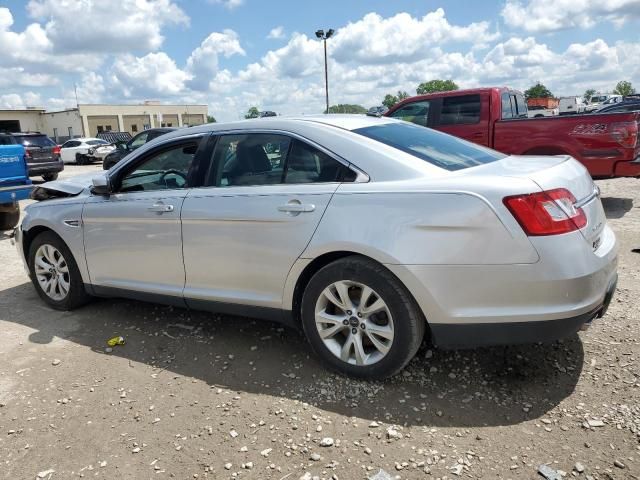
324,37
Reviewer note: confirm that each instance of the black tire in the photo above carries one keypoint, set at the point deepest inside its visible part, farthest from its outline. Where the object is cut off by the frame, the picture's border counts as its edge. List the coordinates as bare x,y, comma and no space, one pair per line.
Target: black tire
50,177
9,220
76,296
81,159
408,321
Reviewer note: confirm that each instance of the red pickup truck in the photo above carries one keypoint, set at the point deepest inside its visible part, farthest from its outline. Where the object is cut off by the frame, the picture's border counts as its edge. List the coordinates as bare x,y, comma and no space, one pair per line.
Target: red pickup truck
608,144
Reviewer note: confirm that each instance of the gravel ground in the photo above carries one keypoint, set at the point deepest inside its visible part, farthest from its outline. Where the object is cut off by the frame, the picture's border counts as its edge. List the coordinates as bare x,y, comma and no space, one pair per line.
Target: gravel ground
194,395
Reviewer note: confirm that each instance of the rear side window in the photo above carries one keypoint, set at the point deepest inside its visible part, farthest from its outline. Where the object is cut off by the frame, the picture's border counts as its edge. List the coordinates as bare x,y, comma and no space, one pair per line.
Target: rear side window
462,110
35,141
309,165
416,112
97,142
437,148
507,109
521,105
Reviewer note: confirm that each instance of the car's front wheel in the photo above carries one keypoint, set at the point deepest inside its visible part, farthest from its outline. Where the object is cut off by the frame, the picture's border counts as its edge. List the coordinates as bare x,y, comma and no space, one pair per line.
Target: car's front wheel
360,319
54,273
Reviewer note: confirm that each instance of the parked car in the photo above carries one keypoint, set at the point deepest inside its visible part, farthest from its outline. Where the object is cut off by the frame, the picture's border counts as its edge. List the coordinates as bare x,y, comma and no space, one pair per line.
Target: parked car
123,149
598,101
571,105
366,232
14,181
42,154
626,106
85,150
496,117
537,111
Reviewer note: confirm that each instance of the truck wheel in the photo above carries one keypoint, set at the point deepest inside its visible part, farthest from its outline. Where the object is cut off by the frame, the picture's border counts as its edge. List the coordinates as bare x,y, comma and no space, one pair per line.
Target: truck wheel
50,177
9,218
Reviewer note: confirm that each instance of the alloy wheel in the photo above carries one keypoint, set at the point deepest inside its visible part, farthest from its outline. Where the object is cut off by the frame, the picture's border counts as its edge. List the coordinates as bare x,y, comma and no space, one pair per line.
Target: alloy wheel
354,323
52,272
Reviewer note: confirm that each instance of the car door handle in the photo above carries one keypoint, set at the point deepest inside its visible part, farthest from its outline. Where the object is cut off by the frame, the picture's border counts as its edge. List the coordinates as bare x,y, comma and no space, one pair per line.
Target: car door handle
160,208
297,207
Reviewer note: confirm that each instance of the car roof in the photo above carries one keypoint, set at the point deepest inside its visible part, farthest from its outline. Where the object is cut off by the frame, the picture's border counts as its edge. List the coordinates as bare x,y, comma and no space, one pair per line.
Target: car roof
28,134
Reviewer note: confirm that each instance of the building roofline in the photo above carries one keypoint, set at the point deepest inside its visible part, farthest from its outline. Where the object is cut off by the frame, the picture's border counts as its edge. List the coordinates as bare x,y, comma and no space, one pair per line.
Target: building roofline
62,111
142,105
22,109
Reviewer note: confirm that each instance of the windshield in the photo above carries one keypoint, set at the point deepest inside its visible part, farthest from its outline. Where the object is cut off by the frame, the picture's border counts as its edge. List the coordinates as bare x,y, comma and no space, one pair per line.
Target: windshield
35,141
437,148
97,142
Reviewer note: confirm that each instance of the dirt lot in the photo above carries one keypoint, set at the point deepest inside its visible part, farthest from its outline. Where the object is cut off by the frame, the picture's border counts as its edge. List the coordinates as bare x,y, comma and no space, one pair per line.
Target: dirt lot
193,395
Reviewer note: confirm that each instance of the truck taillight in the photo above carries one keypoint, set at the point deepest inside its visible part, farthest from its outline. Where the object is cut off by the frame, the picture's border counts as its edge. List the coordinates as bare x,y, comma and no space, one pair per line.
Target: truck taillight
56,150
551,212
625,133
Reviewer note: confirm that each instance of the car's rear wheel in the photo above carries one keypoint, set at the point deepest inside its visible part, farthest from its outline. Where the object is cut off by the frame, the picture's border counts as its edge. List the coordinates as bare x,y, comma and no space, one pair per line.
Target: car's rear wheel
360,319
50,177
9,217
54,273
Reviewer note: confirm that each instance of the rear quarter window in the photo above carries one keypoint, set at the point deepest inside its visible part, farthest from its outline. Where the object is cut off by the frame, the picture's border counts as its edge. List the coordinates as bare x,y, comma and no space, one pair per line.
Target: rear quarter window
437,148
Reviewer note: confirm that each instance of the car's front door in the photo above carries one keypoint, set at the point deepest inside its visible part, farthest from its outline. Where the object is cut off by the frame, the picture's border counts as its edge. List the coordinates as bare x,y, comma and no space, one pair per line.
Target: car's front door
69,149
133,239
263,198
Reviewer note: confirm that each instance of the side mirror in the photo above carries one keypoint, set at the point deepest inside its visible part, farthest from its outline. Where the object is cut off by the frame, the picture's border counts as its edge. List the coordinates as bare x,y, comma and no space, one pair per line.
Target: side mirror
101,185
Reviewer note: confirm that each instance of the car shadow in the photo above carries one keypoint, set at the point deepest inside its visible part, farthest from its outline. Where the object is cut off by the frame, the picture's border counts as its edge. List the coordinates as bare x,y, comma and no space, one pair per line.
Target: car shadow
615,207
482,387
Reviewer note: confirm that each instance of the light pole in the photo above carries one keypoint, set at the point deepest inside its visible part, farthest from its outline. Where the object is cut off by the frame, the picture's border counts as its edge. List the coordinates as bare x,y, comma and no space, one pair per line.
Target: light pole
322,35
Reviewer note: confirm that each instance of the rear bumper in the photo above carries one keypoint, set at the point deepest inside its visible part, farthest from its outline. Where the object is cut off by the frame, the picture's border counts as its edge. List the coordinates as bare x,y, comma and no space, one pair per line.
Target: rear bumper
514,333
477,305
627,169
14,193
36,169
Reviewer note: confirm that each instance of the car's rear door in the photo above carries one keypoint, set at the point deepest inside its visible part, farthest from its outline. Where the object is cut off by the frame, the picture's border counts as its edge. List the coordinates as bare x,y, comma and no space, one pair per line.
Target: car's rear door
264,196
133,237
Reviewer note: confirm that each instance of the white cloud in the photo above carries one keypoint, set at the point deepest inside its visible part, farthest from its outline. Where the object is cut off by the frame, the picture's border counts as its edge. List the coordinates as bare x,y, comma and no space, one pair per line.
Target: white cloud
20,101
230,4
155,74
202,64
103,26
551,15
276,33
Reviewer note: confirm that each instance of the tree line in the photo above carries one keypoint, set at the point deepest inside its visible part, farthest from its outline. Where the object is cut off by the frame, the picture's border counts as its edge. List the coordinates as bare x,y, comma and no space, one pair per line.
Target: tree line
539,90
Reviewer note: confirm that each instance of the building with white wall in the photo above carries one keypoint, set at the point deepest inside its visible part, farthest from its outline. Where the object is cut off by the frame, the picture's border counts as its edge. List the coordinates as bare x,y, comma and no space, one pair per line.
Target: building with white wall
88,120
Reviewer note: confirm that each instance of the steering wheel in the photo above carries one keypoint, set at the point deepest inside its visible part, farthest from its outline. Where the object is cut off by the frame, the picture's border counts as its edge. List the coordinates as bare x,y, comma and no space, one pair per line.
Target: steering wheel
163,177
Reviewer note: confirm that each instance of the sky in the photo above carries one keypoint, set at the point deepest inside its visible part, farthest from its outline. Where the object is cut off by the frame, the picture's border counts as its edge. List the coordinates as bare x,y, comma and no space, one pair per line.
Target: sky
234,54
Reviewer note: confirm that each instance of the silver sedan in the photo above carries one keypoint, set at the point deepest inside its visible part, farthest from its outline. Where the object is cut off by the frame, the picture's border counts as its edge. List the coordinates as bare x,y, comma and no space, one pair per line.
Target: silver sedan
368,233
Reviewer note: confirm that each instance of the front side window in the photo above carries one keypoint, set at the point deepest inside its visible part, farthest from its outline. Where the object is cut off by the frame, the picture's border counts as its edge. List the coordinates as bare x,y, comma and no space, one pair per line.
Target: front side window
417,112
166,169
437,148
461,110
70,144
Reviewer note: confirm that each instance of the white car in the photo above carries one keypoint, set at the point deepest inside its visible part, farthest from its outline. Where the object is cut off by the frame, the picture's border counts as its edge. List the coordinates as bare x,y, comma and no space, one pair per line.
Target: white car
537,111
368,233
85,150
569,105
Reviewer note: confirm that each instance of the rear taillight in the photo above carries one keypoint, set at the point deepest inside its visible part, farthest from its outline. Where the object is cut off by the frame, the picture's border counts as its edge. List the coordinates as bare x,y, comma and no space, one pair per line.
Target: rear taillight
625,133
546,213
27,154
56,150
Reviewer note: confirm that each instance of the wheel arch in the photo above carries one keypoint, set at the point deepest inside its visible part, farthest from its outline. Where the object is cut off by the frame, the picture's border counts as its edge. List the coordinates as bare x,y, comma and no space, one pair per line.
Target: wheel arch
319,262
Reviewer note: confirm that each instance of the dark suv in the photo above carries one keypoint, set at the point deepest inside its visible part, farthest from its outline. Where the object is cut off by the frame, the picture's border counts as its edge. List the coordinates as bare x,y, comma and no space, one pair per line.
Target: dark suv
136,142
42,154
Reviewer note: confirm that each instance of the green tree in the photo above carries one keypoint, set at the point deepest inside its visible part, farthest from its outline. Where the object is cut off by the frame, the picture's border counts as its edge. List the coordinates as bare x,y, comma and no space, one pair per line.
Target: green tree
624,88
538,91
347,108
436,86
390,100
211,119
588,94
253,112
